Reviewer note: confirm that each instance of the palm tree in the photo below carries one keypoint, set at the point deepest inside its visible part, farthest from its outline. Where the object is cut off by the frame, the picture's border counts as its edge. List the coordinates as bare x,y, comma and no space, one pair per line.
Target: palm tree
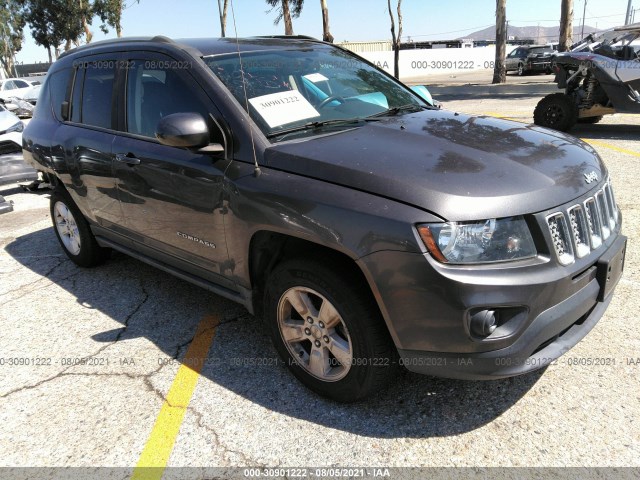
499,69
286,10
223,17
326,34
566,25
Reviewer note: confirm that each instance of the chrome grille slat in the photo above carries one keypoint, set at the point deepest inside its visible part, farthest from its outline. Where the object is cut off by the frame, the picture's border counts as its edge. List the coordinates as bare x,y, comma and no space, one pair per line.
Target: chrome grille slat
580,231
561,238
584,227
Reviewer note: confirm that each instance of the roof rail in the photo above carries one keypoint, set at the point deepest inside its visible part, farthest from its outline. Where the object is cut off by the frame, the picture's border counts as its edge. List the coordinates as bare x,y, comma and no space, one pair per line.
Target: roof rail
115,41
290,37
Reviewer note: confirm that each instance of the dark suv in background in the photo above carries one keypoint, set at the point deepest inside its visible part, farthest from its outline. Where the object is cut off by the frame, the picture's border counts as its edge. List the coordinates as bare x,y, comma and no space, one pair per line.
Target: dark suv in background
368,229
530,59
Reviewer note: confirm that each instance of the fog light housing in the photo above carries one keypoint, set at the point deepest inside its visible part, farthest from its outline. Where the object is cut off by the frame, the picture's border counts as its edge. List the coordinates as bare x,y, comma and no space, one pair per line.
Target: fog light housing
483,323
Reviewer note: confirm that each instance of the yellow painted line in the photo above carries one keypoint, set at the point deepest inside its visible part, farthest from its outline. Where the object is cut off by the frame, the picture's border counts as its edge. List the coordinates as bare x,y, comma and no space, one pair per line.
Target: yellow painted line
159,446
598,143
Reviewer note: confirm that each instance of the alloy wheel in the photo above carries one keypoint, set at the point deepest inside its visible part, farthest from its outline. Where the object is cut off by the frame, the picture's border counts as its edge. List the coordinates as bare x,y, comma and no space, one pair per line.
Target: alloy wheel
315,334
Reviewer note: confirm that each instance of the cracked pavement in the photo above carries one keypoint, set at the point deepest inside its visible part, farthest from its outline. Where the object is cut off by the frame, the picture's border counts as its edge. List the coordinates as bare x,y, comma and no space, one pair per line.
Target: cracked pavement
102,347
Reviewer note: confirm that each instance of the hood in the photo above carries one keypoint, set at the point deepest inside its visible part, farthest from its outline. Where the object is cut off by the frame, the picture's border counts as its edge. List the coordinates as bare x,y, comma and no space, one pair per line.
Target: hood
456,166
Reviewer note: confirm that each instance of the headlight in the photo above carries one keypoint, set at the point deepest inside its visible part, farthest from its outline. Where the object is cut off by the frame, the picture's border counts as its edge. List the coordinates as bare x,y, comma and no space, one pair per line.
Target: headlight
18,127
485,241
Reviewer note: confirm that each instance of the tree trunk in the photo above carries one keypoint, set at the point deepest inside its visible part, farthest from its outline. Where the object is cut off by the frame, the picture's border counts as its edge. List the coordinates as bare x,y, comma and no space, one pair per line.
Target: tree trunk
50,56
224,17
88,35
396,53
395,40
566,26
119,19
499,69
286,15
326,34
67,45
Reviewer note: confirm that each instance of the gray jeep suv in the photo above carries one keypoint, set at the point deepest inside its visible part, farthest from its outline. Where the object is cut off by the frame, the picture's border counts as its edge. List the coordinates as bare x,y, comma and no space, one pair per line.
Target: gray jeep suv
370,230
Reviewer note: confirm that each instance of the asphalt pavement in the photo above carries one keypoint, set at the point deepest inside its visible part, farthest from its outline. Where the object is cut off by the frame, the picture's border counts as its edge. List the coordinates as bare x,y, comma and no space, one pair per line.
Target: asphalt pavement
99,368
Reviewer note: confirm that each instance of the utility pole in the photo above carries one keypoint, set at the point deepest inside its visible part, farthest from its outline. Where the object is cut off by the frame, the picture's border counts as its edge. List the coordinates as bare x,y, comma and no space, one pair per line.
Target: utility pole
627,20
584,13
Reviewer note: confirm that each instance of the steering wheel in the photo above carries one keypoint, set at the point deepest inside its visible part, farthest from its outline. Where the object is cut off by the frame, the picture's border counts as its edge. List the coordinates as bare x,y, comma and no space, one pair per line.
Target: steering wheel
330,99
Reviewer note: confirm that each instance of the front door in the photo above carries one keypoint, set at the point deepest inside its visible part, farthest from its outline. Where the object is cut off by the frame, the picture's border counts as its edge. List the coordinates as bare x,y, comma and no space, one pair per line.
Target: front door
171,198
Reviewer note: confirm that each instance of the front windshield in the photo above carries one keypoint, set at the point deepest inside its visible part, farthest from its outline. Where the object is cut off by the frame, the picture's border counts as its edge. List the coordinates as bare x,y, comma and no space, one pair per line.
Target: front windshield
292,88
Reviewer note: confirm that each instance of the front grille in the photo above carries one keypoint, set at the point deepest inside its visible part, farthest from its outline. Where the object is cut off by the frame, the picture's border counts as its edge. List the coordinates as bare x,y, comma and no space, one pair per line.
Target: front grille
585,226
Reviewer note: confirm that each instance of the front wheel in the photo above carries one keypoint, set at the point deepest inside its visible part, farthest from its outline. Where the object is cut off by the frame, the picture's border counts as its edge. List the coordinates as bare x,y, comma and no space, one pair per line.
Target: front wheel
557,111
328,330
74,233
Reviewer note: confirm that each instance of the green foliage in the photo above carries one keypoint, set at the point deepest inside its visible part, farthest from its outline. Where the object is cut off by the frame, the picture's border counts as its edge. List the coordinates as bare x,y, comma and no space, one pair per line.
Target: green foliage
54,22
295,7
57,22
11,37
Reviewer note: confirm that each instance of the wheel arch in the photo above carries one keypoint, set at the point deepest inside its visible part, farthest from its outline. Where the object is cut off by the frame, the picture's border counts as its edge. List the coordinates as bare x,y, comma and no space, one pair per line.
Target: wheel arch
269,248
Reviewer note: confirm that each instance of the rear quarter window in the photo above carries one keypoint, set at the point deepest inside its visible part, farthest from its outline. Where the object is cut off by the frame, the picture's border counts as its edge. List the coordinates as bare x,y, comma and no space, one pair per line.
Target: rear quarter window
59,88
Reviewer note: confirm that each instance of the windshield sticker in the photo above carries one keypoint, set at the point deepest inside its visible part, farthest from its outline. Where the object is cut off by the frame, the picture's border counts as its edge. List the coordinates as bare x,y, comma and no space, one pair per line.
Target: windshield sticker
316,77
283,107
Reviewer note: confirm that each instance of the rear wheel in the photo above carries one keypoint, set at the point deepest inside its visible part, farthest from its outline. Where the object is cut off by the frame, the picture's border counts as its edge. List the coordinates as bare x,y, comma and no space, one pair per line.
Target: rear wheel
73,232
590,120
557,111
328,330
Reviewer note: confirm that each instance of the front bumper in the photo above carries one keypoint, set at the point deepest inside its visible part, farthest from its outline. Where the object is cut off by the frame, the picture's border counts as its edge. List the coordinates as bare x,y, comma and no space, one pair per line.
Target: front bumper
530,352
428,308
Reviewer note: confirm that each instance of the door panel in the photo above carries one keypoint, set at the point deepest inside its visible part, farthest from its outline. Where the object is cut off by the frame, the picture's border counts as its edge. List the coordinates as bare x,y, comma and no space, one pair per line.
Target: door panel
172,198
86,140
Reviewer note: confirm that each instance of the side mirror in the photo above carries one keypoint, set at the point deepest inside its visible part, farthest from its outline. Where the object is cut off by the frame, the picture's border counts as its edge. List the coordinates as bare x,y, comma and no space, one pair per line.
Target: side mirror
186,130
423,92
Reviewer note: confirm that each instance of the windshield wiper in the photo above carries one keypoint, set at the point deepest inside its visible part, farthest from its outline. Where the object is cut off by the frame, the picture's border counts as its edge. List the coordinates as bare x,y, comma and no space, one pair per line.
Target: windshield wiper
411,107
321,124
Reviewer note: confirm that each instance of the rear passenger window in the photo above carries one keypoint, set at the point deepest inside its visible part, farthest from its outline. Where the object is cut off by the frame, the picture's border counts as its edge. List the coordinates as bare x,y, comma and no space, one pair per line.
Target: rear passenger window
154,93
97,93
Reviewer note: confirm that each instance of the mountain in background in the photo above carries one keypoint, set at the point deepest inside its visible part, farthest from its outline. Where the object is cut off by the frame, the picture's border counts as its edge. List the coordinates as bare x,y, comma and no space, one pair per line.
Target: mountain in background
540,35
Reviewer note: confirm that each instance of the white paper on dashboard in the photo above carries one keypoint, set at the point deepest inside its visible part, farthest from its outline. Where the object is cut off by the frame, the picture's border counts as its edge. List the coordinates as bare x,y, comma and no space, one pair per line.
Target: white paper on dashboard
316,77
283,107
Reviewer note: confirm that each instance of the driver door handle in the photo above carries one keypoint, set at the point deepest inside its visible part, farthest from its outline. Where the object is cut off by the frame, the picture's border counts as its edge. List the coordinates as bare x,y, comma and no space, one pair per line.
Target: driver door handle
128,158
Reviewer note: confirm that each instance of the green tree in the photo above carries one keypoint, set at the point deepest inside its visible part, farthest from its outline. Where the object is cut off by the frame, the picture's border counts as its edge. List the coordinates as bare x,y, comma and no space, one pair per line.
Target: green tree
11,37
110,13
287,9
499,69
395,38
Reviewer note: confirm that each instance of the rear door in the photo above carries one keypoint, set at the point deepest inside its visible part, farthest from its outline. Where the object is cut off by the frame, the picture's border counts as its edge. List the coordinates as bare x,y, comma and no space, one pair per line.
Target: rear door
86,136
172,198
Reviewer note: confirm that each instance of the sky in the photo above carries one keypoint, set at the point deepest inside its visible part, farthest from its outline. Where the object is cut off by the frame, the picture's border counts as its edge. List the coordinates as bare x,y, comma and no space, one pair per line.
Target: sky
352,20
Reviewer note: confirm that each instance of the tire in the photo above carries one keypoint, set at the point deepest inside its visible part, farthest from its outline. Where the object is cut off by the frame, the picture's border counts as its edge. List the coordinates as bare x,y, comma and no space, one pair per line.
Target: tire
336,322
557,111
590,120
74,233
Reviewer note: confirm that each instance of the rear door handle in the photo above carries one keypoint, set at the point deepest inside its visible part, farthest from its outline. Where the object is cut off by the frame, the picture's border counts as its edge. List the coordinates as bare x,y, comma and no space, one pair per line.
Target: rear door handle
128,158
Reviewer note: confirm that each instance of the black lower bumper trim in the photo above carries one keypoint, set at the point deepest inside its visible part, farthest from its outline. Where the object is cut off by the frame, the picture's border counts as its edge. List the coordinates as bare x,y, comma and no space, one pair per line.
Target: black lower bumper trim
506,362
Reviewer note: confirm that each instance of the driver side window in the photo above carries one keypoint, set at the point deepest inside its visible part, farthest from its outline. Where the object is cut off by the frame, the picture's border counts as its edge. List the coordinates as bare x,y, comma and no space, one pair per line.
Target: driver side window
154,90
